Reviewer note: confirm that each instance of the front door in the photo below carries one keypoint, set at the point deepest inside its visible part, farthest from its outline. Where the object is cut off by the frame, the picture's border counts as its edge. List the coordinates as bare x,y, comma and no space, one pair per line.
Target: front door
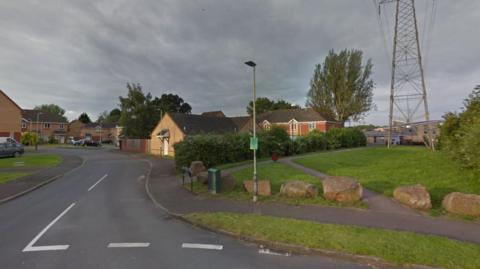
165,146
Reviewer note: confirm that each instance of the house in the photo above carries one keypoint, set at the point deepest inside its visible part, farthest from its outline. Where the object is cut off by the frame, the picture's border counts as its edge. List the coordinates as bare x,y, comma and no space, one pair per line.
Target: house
297,122
10,117
174,127
46,124
405,133
104,132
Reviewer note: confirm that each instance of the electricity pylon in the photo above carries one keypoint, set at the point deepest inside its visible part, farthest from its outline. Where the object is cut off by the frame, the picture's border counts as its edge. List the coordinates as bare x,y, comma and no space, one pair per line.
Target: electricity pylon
407,90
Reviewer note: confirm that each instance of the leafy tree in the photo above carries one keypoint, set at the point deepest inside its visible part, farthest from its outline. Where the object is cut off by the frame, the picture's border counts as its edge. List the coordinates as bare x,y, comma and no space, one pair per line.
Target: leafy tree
263,104
170,103
52,109
84,118
342,89
110,117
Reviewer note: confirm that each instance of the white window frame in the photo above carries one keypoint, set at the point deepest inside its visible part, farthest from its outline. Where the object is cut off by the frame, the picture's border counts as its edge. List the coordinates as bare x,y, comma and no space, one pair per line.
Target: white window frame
312,126
62,126
24,125
46,125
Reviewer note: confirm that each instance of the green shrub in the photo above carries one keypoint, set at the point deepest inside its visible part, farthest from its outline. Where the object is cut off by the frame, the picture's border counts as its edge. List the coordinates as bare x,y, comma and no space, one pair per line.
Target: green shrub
460,133
29,138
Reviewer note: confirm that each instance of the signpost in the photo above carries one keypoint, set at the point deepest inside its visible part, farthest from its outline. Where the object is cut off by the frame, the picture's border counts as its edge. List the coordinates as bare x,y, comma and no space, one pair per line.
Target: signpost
253,143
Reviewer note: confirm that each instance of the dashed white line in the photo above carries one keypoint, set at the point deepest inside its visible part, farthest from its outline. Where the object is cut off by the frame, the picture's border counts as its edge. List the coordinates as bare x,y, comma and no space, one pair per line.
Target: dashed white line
202,246
96,183
128,245
30,246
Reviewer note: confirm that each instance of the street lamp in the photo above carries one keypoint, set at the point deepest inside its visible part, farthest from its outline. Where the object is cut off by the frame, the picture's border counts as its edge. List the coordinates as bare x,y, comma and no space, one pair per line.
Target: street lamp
38,132
254,142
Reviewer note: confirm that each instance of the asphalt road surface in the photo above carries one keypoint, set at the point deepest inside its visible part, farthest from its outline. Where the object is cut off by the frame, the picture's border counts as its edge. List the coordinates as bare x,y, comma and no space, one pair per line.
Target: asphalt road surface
99,216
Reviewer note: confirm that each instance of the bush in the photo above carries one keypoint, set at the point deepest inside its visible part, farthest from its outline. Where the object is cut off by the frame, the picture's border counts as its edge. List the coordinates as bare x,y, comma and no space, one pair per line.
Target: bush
345,138
460,133
29,138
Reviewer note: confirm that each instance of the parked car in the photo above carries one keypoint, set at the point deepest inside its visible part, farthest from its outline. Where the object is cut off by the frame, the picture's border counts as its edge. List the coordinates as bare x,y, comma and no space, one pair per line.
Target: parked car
79,142
92,143
9,147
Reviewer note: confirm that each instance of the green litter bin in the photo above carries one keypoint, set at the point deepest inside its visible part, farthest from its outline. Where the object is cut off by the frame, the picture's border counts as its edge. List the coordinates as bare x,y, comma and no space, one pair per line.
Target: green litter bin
213,180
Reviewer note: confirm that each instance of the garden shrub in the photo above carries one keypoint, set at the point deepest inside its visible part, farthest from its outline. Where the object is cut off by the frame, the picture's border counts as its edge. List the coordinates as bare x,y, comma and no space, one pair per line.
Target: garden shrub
29,138
220,149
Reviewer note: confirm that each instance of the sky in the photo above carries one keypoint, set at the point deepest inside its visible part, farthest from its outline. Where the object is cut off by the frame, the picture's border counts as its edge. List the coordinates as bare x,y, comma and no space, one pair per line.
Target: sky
81,54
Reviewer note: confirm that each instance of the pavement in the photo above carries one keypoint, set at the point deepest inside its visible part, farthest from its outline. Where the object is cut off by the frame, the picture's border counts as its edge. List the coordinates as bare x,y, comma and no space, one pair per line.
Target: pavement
38,178
166,189
100,216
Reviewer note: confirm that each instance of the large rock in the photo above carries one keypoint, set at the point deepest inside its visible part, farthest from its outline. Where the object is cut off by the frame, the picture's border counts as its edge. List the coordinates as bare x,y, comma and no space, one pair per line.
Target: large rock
462,204
197,167
202,177
264,188
342,189
414,196
227,183
298,189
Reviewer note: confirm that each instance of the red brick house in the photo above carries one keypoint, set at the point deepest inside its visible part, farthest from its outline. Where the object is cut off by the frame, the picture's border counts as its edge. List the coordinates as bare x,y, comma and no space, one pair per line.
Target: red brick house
47,125
297,122
10,117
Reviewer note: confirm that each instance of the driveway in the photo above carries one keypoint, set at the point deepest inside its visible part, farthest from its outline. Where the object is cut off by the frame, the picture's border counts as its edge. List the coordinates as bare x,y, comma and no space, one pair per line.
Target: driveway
99,216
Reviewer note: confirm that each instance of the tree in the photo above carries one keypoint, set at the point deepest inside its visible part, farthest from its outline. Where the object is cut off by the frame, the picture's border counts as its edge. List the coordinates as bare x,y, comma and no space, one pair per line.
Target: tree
263,104
342,89
84,118
52,109
170,103
109,117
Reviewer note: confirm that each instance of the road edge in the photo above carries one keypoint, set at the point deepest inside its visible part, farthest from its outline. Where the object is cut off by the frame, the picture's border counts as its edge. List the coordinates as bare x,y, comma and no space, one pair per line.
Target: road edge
41,184
278,246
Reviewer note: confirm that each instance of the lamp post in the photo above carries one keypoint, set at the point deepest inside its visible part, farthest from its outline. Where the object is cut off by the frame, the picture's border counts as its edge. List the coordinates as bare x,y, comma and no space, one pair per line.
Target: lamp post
38,131
255,179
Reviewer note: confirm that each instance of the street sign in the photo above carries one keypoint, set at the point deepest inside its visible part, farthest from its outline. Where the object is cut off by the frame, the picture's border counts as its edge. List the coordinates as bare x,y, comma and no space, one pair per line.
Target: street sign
253,143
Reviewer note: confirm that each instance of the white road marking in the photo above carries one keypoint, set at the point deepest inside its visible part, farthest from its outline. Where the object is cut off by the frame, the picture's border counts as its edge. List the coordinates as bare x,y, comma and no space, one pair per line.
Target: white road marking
269,252
202,246
128,245
100,180
30,246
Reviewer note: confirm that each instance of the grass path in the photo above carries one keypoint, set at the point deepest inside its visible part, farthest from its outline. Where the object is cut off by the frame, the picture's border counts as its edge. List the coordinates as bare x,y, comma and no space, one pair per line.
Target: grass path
392,246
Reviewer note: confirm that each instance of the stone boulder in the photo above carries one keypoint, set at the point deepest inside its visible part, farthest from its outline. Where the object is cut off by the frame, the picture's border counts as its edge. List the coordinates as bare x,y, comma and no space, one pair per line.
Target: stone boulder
197,167
264,187
462,204
227,183
414,196
202,177
298,189
342,189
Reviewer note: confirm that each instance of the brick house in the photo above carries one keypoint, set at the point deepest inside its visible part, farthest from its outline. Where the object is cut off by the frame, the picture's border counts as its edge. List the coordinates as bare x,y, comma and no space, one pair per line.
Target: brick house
104,132
10,117
47,125
297,122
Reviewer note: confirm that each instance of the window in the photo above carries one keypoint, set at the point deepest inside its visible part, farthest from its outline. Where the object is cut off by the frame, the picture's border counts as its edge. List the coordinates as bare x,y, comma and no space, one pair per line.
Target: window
266,126
294,126
61,126
46,125
24,125
311,126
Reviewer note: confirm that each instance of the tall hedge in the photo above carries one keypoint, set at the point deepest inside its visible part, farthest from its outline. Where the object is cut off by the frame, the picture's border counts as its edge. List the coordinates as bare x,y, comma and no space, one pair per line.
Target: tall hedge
220,149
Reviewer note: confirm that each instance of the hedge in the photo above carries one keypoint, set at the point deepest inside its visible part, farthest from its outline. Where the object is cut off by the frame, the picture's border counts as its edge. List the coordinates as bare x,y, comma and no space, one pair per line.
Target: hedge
213,150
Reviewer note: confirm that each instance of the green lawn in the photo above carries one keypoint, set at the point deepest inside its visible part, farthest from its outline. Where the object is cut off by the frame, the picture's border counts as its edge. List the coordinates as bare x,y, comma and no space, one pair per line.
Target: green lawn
31,160
5,177
392,246
277,173
382,170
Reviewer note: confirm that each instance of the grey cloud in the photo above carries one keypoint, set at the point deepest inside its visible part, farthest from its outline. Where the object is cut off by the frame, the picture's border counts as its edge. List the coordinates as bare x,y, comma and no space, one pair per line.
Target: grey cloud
80,54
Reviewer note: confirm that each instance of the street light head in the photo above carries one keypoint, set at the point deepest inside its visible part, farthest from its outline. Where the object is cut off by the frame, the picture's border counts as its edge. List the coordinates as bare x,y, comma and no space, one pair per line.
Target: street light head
250,63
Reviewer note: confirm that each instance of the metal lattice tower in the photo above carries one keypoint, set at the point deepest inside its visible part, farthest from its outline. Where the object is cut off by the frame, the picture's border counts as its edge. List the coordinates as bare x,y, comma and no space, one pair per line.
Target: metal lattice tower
407,90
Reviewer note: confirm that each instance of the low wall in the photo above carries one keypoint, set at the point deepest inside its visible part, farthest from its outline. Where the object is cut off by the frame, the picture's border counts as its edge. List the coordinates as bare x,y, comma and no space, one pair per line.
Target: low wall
135,145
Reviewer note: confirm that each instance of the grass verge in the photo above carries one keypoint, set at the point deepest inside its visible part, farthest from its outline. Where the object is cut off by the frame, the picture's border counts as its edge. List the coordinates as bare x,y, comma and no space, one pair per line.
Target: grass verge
277,173
31,160
382,170
6,177
392,246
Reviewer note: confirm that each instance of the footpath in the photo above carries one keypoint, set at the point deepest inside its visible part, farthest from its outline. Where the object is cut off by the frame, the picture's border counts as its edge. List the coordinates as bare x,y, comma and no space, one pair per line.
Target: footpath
40,177
165,188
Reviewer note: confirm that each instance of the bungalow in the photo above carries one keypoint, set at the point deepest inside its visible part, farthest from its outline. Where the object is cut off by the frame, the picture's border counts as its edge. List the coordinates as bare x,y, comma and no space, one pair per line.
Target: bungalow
297,122
10,117
46,124
174,127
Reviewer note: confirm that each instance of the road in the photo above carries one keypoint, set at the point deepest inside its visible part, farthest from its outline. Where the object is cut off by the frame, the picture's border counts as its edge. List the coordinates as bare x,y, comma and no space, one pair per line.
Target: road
99,216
